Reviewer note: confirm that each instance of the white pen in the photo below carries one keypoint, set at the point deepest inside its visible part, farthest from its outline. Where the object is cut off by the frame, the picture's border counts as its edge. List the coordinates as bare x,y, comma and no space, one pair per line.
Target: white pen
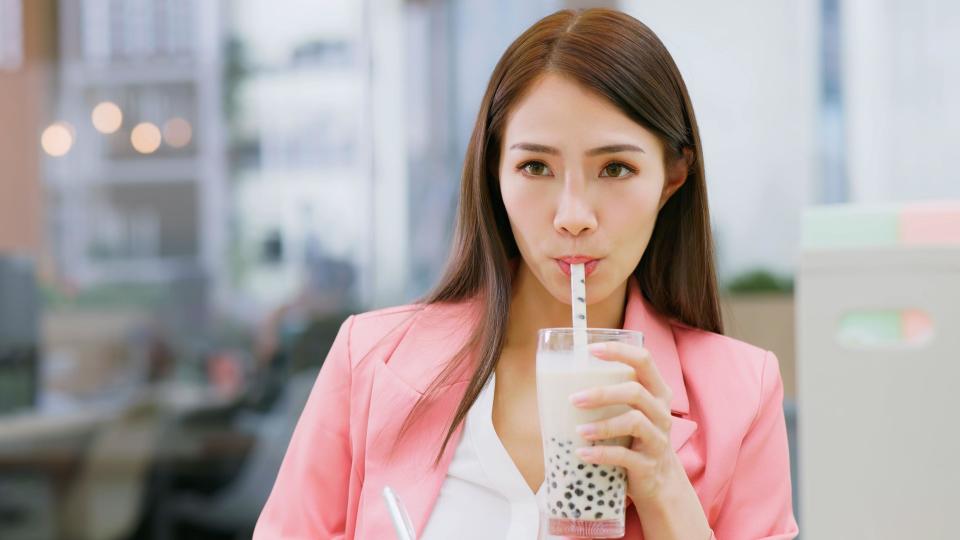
401,520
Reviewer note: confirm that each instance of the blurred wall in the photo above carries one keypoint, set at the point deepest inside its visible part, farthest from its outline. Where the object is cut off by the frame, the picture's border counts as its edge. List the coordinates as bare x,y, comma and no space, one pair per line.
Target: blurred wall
752,73
901,79
22,114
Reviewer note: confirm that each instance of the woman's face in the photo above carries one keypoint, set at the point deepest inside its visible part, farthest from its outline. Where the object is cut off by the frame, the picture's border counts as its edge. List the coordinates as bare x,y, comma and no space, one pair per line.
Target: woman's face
581,179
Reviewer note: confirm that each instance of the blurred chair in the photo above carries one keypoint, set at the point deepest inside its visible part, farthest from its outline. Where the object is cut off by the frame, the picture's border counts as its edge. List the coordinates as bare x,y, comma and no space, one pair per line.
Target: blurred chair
237,505
107,498
268,414
305,349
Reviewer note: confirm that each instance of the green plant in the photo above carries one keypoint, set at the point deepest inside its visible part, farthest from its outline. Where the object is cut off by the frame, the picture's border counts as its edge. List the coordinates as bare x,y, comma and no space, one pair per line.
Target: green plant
759,281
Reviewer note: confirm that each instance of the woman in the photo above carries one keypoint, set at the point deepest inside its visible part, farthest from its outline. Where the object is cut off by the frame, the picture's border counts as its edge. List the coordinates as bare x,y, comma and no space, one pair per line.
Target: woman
585,146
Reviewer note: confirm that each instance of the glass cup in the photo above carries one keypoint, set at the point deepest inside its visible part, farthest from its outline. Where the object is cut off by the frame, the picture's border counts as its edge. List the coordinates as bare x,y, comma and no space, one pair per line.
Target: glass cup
582,499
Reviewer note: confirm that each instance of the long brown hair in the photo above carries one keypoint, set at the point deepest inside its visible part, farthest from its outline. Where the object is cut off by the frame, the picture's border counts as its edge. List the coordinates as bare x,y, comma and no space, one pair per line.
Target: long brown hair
620,58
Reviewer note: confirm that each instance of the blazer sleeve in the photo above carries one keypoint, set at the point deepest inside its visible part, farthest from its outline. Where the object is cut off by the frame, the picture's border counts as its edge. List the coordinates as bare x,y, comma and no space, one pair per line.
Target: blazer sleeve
758,503
309,497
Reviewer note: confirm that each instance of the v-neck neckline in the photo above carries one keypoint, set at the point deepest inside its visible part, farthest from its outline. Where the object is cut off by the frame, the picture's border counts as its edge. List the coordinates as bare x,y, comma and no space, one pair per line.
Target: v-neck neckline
494,458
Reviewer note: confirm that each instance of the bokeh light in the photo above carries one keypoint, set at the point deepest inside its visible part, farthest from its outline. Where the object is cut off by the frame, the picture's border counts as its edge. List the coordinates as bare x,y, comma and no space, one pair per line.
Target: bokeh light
145,138
177,132
107,117
57,139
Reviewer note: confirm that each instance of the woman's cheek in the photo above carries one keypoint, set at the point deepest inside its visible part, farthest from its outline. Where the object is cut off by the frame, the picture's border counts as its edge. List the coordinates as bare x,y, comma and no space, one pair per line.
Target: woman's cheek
630,221
509,195
523,204
527,221
516,202
637,206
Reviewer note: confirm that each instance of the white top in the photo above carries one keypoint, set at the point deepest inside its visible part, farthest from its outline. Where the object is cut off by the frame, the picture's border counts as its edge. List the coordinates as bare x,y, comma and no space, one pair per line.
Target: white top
484,479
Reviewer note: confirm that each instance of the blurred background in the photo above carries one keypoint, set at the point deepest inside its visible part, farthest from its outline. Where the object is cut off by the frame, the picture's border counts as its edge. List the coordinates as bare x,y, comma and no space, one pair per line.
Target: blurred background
195,193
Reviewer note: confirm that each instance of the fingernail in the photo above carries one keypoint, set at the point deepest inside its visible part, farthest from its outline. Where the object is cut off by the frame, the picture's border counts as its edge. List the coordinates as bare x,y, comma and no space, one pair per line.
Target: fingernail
586,430
586,453
578,398
597,348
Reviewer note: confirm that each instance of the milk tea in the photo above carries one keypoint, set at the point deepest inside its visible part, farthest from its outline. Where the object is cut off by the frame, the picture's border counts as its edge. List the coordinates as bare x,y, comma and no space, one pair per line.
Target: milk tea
582,499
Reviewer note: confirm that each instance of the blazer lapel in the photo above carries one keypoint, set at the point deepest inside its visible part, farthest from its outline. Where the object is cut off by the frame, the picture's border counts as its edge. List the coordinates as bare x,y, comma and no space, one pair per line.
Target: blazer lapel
432,341
658,339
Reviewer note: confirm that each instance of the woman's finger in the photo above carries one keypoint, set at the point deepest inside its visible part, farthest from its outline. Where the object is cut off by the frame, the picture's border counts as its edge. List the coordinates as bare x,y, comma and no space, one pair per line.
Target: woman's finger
631,393
640,360
618,455
632,423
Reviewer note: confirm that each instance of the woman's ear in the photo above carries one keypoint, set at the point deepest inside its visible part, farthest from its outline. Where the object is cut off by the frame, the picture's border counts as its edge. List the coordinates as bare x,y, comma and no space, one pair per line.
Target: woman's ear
677,174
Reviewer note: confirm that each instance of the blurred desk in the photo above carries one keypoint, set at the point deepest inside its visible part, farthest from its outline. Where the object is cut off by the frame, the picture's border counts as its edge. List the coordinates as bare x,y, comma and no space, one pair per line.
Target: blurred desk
173,398
26,428
40,457
64,454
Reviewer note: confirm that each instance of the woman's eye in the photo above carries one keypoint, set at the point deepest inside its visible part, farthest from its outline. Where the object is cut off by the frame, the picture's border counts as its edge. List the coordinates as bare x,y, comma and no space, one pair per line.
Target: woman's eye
617,170
535,168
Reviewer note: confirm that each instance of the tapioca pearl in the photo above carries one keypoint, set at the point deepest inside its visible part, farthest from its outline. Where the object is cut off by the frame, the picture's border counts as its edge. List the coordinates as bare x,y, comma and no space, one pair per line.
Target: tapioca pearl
567,495
598,515
564,514
589,475
576,513
600,502
581,466
600,493
591,485
590,497
603,473
553,484
579,492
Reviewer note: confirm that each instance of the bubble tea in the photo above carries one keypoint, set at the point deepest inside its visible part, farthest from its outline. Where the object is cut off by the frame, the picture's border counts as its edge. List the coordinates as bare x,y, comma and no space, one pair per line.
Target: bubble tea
582,499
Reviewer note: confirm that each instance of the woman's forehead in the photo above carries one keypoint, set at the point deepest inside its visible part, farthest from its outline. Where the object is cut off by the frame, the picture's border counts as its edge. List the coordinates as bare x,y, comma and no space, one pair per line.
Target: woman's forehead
561,113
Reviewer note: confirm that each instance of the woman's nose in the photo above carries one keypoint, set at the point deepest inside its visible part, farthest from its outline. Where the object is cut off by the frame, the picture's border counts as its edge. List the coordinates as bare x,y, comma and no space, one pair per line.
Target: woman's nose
574,212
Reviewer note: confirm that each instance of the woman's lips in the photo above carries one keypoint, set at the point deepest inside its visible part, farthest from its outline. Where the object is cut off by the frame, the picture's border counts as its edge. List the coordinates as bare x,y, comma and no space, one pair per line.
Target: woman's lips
588,266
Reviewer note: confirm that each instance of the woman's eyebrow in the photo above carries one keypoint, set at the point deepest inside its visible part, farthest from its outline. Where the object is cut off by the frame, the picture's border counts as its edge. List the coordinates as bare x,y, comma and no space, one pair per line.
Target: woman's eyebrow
609,149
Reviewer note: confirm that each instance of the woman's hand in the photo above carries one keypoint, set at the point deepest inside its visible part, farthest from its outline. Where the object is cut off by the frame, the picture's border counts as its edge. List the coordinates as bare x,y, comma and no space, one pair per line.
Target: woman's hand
650,461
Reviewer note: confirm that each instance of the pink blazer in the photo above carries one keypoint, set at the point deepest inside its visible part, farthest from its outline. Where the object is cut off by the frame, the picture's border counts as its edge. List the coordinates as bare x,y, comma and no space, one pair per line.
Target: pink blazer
728,427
